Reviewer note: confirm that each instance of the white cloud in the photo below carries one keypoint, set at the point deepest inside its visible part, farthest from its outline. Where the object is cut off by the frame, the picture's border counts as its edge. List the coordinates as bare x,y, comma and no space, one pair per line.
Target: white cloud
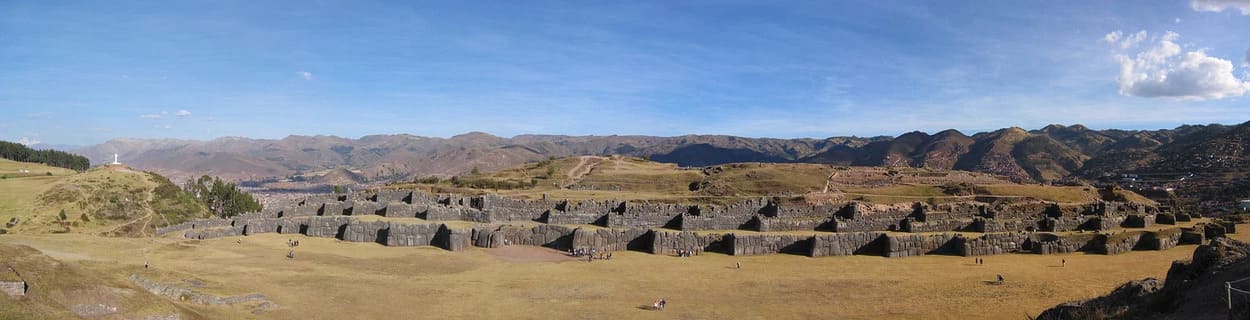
1221,5
305,74
39,115
183,113
150,116
1165,70
1178,20
1113,36
27,141
1124,42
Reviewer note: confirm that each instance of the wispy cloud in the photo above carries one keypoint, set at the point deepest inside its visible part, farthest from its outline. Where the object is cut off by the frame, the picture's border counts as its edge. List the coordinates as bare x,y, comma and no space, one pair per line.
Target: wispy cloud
39,115
150,116
1221,5
305,75
182,113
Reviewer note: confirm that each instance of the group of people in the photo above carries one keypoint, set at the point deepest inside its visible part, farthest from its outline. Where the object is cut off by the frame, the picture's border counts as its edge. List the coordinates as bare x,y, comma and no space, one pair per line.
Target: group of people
687,253
591,254
659,305
291,244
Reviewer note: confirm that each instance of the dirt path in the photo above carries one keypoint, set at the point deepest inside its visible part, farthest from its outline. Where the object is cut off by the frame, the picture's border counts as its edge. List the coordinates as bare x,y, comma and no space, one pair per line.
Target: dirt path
585,164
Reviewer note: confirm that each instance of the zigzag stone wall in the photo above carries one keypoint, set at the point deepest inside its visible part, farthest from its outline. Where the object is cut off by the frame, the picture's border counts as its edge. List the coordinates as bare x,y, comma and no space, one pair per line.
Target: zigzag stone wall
662,228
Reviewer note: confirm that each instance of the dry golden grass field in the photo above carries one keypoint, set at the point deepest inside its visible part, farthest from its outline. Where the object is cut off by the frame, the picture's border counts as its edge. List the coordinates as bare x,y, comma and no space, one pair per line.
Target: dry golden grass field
627,178
342,280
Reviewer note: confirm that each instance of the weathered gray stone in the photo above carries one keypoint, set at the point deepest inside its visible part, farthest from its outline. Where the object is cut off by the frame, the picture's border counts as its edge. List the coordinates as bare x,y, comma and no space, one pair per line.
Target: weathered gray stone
845,244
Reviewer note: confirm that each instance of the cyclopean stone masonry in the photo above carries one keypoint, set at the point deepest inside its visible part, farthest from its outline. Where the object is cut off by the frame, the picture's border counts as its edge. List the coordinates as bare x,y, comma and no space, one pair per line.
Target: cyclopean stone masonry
409,218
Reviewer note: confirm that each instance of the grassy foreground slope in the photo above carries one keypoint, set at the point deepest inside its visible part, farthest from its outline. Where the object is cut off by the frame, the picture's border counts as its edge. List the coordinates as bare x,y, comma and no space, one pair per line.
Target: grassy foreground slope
112,200
627,178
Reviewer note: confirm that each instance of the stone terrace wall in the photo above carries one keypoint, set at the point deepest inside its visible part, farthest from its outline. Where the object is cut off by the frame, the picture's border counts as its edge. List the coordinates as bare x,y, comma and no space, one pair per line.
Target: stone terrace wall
1046,243
633,225
1159,240
763,214
845,244
668,243
916,245
767,224
648,215
1119,242
404,234
613,239
760,244
993,244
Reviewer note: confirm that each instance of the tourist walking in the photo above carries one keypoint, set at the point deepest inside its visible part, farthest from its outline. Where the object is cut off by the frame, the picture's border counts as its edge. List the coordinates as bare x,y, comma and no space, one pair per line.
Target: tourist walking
663,304
1063,262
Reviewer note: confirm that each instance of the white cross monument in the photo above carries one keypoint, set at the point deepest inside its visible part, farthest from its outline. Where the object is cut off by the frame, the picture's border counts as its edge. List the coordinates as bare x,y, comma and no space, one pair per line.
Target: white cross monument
115,162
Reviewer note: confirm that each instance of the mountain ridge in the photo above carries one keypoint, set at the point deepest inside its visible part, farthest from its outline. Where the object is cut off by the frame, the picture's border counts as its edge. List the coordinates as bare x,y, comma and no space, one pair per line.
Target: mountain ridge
1050,153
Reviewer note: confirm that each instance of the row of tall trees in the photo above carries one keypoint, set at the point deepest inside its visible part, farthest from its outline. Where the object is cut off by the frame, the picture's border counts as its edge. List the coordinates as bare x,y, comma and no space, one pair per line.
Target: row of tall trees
61,159
224,199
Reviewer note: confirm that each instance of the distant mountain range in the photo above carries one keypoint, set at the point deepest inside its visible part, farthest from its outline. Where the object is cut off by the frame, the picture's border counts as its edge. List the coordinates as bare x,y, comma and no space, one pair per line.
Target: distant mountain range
1050,153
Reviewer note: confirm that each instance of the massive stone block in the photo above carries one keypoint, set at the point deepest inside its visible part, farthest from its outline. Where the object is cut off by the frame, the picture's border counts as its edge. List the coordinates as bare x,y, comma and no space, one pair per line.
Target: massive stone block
915,245
329,227
992,244
1159,240
940,225
293,225
767,224
612,239
551,236
1119,242
668,242
760,244
845,244
406,235
1138,221
211,223
399,210
716,221
261,226
453,239
367,231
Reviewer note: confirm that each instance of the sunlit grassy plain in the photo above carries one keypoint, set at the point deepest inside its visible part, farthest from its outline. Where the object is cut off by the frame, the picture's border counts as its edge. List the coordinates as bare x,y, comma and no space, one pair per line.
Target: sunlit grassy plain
340,280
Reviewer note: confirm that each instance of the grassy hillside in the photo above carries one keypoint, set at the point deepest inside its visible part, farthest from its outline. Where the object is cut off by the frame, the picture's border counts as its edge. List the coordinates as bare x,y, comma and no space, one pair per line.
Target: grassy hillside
110,200
57,286
626,178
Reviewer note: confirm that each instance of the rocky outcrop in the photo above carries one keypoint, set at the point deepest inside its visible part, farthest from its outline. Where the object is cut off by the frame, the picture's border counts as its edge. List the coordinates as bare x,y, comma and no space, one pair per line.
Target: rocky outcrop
258,301
1194,289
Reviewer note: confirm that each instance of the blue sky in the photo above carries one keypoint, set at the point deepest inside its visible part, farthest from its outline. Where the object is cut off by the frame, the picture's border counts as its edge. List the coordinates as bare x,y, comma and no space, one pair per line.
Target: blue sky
83,73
